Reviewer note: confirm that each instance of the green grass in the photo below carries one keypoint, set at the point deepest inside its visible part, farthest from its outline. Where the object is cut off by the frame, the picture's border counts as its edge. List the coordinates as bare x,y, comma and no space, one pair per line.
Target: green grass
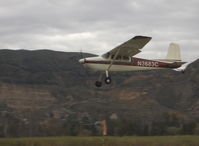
103,141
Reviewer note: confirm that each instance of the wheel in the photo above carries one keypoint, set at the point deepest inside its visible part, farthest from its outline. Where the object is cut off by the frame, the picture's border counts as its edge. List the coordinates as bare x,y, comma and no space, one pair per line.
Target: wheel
98,84
107,80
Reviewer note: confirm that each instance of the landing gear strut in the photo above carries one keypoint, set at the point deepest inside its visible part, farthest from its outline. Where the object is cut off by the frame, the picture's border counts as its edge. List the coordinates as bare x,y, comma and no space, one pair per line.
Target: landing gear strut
107,79
99,82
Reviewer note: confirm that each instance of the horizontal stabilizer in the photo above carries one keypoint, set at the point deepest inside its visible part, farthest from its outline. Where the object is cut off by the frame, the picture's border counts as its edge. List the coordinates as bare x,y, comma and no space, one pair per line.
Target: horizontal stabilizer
176,64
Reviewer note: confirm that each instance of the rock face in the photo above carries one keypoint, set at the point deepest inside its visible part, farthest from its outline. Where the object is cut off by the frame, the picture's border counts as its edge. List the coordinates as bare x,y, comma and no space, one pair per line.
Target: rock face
41,90
183,90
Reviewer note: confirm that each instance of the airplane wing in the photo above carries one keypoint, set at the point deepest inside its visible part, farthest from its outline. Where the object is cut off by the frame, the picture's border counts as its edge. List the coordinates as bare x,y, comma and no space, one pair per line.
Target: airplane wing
129,48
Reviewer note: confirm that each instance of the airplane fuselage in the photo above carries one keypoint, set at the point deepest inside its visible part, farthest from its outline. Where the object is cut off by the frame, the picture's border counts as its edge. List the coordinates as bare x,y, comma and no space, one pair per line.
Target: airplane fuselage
101,64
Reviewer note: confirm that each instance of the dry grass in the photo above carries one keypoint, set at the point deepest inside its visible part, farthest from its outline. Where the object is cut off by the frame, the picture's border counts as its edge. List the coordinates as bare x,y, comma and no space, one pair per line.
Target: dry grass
103,141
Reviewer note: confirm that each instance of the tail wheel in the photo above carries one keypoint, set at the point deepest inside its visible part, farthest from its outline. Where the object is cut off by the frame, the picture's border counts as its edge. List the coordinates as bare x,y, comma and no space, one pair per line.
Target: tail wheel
107,80
98,84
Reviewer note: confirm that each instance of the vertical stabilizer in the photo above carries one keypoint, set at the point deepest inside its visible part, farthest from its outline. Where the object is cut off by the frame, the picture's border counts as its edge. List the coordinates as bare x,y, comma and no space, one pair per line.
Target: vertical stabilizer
173,52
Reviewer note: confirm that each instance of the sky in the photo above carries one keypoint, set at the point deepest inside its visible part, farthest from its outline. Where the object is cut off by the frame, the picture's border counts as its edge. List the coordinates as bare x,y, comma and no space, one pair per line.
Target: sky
97,26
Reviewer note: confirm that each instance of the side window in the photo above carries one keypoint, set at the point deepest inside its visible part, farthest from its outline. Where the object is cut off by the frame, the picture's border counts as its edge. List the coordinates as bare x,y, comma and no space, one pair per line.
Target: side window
129,59
132,59
126,58
118,57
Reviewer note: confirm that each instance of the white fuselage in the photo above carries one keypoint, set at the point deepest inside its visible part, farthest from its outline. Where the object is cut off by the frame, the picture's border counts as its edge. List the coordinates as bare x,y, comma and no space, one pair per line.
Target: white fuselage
101,64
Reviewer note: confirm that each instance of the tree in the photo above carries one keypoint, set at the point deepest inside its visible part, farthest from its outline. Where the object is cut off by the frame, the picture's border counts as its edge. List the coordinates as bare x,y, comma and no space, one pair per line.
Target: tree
189,127
158,128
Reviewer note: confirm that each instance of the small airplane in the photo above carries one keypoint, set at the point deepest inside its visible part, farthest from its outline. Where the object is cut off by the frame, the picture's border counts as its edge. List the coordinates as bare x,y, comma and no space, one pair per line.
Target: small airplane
120,59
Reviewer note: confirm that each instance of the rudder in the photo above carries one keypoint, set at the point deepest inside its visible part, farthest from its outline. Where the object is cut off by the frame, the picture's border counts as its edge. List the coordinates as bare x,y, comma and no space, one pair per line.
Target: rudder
173,52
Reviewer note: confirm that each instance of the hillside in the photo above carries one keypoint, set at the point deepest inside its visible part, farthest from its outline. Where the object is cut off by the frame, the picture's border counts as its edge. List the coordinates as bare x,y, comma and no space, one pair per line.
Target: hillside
43,92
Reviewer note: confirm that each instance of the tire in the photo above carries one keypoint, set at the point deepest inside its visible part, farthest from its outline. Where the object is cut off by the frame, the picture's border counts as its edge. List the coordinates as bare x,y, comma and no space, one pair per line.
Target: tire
107,80
98,84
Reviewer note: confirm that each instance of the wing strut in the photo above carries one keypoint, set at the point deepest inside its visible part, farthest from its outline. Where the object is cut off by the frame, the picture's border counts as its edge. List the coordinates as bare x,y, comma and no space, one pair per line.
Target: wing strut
115,56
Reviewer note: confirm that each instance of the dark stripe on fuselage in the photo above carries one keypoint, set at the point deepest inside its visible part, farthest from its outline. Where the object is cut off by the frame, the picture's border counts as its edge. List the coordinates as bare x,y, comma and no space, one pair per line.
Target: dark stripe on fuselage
135,63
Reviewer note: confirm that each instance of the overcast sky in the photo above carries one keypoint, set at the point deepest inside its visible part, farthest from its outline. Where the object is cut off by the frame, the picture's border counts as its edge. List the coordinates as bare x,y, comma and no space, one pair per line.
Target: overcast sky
96,26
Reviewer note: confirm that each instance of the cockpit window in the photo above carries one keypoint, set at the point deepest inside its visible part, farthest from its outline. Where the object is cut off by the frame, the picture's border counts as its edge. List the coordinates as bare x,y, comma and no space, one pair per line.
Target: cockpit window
112,56
107,55
118,57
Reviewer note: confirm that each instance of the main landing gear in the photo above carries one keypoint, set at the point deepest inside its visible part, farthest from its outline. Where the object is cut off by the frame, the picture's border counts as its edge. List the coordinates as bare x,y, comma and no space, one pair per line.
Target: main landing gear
98,84
107,80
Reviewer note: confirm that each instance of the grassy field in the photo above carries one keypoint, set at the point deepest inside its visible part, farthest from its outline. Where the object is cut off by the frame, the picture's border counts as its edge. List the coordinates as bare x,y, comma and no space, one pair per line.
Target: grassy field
103,141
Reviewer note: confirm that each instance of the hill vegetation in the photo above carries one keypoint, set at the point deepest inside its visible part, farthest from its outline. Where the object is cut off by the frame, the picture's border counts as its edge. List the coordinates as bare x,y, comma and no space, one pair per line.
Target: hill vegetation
48,93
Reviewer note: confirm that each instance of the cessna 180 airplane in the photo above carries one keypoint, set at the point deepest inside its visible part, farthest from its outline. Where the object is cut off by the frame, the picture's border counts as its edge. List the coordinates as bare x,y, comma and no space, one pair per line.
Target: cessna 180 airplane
120,59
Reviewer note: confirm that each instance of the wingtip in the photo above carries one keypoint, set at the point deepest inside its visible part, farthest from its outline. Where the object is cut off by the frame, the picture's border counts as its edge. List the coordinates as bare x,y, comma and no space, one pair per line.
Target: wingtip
142,37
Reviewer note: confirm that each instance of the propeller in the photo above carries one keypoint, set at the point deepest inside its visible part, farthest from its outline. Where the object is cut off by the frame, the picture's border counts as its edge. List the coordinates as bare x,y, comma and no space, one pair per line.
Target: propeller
83,60
81,54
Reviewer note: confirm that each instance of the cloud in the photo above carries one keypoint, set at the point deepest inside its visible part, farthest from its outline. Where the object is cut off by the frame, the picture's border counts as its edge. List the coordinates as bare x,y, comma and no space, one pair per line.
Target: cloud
96,26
